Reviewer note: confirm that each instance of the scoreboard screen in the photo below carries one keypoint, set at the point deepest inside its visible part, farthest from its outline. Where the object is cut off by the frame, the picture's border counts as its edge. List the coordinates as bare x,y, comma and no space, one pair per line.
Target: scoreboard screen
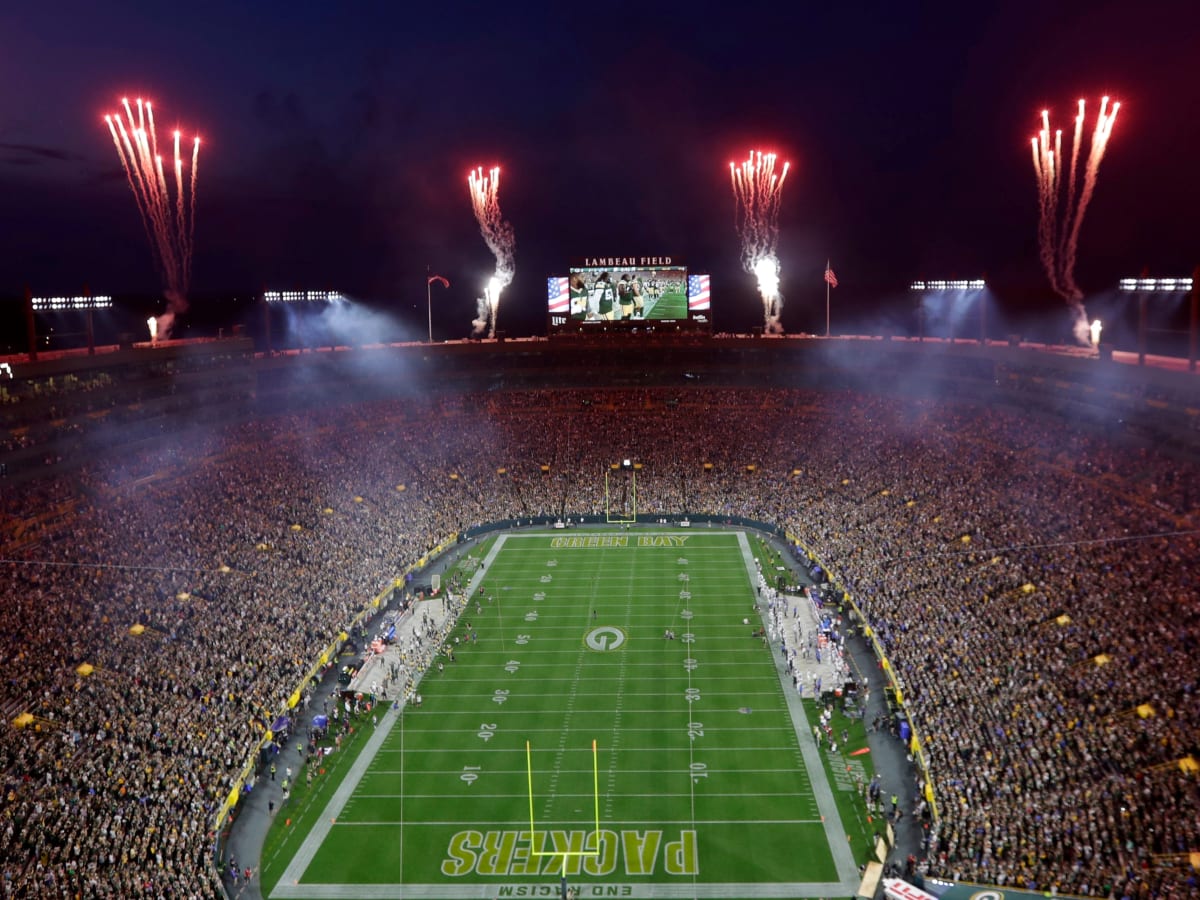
633,293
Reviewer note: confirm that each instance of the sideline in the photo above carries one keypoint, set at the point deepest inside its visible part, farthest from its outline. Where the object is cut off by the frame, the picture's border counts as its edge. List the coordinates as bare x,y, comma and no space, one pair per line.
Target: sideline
289,883
835,834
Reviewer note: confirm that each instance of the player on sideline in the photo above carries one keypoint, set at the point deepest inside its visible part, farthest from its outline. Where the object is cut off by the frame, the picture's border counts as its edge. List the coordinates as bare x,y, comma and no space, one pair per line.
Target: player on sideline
625,297
603,297
639,299
580,301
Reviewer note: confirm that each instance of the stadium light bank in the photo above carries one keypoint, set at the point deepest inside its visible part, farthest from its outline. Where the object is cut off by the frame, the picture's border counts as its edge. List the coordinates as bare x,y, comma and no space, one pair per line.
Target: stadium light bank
85,303
305,297
957,290
55,304
1144,287
287,299
926,287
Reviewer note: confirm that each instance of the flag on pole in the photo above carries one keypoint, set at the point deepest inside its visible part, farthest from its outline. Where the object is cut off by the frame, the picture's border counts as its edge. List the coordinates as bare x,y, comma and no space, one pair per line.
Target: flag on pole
438,278
830,278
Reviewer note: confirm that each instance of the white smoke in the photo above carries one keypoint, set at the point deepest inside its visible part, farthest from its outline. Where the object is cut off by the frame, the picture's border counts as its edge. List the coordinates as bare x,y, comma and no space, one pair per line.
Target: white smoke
482,312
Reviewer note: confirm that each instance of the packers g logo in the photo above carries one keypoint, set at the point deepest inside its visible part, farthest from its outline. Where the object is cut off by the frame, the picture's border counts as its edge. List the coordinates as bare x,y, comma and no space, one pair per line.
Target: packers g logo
604,638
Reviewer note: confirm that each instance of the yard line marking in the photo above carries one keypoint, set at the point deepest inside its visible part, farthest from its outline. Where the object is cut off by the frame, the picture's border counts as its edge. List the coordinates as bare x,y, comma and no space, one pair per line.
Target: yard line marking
725,730
647,750
583,772
589,796
519,823
632,890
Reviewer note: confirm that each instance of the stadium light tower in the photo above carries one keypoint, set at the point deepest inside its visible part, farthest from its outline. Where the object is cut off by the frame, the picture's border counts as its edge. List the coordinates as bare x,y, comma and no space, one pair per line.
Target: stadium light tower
291,299
1144,287
966,288
85,303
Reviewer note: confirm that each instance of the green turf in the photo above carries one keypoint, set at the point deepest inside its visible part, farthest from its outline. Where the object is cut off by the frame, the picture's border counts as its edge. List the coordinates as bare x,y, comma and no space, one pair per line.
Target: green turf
671,305
700,780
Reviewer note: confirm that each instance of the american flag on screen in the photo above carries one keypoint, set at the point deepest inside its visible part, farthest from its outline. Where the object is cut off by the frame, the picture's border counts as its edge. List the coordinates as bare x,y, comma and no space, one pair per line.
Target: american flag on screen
558,296
698,294
830,278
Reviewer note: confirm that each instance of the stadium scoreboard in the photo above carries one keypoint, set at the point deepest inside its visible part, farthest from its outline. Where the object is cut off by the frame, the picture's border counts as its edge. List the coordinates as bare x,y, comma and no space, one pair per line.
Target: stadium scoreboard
636,294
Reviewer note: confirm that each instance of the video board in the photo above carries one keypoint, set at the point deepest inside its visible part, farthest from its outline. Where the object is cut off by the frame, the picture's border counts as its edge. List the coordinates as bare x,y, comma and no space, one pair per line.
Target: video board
633,293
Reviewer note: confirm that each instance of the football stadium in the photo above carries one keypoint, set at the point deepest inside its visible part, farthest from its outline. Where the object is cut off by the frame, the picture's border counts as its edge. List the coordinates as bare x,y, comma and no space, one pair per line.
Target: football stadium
830,530
610,614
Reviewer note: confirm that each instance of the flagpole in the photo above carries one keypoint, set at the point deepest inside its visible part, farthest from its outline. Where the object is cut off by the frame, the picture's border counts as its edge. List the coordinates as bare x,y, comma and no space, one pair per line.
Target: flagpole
429,302
827,297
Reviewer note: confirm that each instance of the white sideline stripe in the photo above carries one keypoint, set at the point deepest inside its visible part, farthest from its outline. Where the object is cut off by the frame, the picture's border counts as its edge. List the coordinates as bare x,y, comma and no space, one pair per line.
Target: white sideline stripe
839,847
350,781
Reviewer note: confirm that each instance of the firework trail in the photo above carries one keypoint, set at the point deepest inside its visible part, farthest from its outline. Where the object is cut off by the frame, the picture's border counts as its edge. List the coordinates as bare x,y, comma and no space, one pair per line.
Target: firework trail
499,237
170,224
757,191
1060,214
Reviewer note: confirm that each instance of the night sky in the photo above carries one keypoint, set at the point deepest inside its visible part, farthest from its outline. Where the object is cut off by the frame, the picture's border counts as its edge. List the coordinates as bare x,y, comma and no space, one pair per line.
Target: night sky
337,138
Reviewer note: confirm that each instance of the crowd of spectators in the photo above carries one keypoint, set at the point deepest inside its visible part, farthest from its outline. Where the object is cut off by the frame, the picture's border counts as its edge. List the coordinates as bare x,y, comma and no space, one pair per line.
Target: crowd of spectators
1007,565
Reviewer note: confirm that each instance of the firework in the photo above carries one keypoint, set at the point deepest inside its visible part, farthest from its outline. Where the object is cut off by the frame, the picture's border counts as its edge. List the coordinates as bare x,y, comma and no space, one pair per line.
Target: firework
757,191
1060,212
498,235
170,224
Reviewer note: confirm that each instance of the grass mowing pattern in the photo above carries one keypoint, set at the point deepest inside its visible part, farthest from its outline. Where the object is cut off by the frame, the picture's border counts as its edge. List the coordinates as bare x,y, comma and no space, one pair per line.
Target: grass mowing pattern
703,789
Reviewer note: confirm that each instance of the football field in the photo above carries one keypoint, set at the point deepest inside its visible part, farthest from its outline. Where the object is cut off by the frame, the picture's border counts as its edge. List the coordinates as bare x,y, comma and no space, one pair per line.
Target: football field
575,738
671,305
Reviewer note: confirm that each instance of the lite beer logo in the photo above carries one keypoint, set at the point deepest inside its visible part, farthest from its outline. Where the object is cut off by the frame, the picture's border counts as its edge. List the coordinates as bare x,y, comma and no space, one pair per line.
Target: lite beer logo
512,853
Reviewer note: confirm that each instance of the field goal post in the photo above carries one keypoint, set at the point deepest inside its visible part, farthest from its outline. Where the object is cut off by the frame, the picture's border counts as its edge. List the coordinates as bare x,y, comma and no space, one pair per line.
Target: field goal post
625,513
565,854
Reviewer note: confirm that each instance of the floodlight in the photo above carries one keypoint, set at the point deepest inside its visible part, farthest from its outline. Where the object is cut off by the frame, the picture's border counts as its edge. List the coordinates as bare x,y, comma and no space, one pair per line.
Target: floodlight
955,284
1144,285
304,297
57,304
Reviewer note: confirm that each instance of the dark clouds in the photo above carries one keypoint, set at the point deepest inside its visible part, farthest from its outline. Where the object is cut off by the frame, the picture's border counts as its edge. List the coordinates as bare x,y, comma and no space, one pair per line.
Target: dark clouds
31,155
